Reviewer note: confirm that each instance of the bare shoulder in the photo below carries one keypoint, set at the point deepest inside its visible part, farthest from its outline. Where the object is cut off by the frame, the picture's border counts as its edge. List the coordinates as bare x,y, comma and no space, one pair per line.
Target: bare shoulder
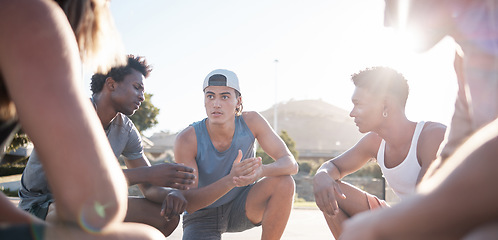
371,136
186,136
431,137
433,129
369,144
434,126
256,123
252,116
185,148
254,120
429,142
355,157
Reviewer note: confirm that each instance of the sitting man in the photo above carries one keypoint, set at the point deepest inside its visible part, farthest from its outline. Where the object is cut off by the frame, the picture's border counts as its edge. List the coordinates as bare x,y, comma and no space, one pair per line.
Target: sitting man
404,149
456,196
116,95
235,191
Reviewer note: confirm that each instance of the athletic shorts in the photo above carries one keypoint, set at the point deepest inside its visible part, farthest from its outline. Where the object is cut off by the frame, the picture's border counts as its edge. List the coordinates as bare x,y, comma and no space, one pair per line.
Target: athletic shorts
210,223
40,210
374,202
22,232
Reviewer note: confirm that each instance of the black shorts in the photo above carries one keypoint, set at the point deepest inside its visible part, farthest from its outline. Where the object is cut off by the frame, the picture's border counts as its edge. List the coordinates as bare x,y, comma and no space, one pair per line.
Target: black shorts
22,232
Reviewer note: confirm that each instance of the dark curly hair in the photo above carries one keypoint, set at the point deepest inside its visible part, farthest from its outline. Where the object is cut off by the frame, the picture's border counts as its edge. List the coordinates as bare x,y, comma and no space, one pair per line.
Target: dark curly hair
118,73
383,81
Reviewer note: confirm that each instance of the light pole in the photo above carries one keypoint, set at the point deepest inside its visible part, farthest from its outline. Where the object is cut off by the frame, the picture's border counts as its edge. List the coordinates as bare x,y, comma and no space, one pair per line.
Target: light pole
275,108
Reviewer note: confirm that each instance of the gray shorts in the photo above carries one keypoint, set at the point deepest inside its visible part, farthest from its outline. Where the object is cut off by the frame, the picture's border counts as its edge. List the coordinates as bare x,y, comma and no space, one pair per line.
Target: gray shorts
40,210
210,223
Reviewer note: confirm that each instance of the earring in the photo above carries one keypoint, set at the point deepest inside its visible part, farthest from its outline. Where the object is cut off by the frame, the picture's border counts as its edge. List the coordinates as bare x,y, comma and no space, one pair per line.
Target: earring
384,114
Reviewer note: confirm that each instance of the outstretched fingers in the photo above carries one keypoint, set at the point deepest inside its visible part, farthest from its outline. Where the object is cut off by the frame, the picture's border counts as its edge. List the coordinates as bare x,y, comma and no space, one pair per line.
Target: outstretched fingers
183,180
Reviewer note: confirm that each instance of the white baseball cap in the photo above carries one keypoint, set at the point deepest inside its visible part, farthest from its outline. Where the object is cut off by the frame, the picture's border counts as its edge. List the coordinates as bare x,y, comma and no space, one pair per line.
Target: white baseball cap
222,77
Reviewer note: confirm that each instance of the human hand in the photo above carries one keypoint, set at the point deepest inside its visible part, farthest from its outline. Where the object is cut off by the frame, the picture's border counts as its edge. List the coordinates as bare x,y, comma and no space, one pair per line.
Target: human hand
246,168
324,189
171,175
253,176
173,205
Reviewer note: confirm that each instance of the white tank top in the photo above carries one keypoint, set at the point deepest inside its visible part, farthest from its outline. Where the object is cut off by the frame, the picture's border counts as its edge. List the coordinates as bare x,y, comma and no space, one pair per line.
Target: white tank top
402,178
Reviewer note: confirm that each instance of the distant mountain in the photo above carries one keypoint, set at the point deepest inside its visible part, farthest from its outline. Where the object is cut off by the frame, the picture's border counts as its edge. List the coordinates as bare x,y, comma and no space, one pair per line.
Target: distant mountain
315,125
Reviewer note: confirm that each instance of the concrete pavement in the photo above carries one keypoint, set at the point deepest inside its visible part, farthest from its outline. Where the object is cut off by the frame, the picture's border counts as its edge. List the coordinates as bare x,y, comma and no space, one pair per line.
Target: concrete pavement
304,223
11,182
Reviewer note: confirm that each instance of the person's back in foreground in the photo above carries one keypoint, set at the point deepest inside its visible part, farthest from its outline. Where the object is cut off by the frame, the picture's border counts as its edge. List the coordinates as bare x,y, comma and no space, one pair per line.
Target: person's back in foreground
457,197
117,95
234,191
40,71
403,149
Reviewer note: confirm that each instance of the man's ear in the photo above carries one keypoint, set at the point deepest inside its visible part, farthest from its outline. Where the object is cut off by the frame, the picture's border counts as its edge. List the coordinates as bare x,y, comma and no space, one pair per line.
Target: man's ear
110,83
239,101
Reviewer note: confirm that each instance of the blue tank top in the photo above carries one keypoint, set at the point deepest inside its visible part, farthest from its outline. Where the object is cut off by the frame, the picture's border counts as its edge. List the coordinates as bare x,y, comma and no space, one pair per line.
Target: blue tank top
213,164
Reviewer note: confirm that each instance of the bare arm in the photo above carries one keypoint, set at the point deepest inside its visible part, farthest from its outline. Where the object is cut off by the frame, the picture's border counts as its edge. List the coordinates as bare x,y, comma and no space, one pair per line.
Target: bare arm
185,152
324,182
148,177
164,175
138,172
428,145
12,215
354,158
272,144
40,64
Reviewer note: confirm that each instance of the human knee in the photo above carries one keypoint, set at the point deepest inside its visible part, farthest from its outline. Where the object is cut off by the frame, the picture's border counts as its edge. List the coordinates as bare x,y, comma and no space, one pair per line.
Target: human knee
284,184
170,226
141,210
159,222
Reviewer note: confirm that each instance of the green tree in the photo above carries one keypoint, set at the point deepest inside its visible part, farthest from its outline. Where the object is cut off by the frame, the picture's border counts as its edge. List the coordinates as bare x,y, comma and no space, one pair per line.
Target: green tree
19,140
291,145
145,117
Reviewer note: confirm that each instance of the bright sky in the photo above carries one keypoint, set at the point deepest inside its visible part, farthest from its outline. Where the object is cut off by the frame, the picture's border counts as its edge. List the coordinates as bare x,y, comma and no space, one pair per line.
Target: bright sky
318,44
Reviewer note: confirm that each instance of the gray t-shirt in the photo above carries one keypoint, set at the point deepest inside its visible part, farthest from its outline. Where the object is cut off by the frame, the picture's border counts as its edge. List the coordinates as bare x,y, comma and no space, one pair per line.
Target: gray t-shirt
124,139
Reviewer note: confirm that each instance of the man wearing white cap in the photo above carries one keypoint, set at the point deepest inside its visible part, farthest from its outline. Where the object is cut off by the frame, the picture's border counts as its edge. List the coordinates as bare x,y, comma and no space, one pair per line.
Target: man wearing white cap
234,191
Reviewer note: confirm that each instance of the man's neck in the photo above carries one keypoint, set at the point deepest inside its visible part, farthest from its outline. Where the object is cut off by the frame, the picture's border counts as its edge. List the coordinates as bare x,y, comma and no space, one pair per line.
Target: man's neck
104,110
221,131
399,134
221,135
